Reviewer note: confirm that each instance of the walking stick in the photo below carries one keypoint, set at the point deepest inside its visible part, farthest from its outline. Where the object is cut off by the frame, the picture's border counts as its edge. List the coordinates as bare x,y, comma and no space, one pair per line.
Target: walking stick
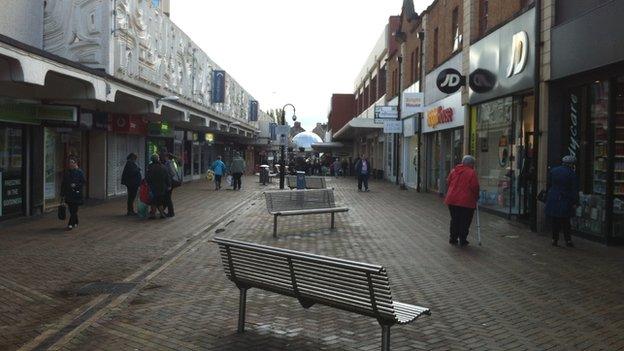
478,226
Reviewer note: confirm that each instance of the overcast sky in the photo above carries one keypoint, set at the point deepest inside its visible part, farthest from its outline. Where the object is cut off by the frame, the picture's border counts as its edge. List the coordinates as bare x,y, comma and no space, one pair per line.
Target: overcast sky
289,51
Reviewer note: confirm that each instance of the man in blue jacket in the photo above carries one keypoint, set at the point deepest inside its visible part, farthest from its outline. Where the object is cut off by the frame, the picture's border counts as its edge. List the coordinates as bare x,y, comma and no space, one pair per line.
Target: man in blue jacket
362,169
562,198
219,170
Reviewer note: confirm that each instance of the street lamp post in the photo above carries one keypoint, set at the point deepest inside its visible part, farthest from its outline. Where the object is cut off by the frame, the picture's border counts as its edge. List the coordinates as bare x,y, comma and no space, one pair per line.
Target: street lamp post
283,148
398,136
421,38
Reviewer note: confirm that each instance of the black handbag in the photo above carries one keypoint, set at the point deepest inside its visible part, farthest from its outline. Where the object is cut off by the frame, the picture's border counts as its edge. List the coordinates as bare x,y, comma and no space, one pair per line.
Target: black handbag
62,212
541,197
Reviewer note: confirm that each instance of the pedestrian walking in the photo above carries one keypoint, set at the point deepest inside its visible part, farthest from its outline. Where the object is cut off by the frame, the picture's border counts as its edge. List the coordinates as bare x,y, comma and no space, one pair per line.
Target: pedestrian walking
176,180
131,178
237,168
71,190
461,199
562,198
159,183
218,167
362,169
337,168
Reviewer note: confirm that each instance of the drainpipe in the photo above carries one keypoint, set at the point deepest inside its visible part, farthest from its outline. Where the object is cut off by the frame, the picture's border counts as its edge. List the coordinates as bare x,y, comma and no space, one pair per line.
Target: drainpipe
536,113
421,37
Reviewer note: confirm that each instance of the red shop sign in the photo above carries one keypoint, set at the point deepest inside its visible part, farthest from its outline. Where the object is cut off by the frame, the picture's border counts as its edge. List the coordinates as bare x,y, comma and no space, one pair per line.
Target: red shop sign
128,124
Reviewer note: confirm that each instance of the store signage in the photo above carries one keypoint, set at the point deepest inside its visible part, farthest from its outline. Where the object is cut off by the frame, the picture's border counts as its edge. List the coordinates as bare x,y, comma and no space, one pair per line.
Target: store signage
20,113
481,81
209,137
413,103
386,112
218,86
450,80
128,124
393,127
439,115
574,145
409,127
502,63
160,129
12,192
520,53
58,113
253,111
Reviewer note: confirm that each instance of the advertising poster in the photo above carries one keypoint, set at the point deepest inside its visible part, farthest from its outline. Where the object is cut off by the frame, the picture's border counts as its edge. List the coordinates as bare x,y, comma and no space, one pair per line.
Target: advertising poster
49,175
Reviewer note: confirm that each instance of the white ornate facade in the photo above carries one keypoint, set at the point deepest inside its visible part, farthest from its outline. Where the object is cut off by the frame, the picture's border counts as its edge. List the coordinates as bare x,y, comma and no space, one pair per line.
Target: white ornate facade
139,44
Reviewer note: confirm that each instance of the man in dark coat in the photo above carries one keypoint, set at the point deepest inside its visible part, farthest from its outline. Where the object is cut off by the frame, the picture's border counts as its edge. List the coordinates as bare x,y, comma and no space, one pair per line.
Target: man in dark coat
131,178
363,169
562,198
159,183
71,190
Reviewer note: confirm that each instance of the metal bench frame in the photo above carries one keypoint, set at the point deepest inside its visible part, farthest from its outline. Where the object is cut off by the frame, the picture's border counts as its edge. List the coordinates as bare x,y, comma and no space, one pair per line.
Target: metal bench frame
300,202
351,286
312,182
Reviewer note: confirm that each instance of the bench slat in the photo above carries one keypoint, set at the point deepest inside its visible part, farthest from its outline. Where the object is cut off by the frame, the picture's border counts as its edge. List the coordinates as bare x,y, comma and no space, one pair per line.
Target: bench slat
311,211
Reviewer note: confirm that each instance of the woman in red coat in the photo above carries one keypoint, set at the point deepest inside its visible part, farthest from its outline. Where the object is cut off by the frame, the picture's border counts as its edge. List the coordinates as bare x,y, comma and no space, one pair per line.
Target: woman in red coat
461,198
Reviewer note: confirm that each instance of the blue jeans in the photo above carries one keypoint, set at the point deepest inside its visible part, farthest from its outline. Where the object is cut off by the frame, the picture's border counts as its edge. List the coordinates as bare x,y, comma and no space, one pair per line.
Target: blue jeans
362,178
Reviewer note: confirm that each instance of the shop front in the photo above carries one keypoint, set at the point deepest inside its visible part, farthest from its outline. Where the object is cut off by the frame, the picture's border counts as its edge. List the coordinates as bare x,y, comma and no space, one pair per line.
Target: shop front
160,138
586,117
62,138
502,117
410,152
12,170
126,135
443,133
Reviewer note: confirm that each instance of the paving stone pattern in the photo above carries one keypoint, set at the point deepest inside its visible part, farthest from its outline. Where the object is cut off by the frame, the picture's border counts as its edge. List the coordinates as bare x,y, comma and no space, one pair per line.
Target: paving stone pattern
515,292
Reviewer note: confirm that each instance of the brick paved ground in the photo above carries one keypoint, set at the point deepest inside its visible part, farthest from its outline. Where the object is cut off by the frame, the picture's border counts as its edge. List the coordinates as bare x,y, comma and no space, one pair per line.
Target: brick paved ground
514,293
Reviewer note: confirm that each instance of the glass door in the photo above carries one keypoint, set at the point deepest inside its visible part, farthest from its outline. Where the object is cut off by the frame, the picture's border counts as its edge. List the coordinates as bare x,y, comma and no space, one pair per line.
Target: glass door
11,171
618,169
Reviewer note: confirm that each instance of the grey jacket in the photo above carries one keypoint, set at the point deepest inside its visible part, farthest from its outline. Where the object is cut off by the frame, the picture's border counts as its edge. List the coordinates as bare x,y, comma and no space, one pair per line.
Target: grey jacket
238,165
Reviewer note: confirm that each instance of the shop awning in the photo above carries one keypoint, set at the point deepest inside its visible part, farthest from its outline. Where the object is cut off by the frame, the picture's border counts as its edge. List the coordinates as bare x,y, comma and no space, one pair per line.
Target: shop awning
355,127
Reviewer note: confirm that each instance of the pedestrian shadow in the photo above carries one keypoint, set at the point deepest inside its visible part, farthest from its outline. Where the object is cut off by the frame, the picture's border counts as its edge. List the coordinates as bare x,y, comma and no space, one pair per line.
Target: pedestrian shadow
267,340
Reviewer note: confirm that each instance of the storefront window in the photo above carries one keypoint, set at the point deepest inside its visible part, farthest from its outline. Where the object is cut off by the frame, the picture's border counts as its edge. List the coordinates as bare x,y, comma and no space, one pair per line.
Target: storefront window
618,186
591,214
433,161
11,171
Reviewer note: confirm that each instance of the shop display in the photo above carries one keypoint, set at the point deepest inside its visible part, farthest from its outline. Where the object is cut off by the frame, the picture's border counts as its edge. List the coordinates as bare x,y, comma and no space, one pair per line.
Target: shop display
618,169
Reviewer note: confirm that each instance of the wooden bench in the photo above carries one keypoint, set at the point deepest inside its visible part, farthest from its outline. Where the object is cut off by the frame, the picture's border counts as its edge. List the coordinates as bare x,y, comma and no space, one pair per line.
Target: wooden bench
301,202
352,286
312,182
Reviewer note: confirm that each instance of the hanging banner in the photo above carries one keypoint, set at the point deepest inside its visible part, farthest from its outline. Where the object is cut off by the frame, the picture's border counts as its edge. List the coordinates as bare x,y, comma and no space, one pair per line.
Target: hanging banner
413,103
218,87
393,127
253,111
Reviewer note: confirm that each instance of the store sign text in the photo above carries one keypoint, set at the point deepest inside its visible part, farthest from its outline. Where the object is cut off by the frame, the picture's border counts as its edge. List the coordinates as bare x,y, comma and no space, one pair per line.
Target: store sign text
574,132
439,115
520,53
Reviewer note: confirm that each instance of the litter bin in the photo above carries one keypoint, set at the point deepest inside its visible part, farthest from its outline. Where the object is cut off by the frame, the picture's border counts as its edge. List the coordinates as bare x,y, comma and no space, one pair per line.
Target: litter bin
301,184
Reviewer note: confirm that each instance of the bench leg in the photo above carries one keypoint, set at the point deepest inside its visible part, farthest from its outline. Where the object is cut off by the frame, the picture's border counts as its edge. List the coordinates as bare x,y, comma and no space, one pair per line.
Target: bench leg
332,220
275,226
385,338
242,303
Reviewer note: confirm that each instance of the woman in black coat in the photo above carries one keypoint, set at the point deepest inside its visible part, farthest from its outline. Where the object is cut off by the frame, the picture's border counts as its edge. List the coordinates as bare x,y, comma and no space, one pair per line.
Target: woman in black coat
131,178
159,183
72,190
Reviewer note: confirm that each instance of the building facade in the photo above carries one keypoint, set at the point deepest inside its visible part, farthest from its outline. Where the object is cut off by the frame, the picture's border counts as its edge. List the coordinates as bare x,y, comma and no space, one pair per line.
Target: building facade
132,82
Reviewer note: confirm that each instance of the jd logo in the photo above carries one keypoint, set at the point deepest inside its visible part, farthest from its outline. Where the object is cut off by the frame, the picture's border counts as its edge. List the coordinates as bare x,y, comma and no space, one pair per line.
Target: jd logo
519,53
450,81
481,81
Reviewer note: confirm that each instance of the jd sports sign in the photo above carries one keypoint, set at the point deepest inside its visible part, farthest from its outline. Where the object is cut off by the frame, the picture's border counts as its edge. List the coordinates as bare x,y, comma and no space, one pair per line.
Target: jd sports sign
450,81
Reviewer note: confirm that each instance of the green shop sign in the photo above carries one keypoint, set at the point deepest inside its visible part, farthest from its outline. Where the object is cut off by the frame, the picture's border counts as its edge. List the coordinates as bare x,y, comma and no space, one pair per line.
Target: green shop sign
34,114
160,129
19,113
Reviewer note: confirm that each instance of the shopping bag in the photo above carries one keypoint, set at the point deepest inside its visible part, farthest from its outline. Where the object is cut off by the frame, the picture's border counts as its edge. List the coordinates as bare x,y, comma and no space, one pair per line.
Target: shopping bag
142,209
62,212
228,180
144,193
210,176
